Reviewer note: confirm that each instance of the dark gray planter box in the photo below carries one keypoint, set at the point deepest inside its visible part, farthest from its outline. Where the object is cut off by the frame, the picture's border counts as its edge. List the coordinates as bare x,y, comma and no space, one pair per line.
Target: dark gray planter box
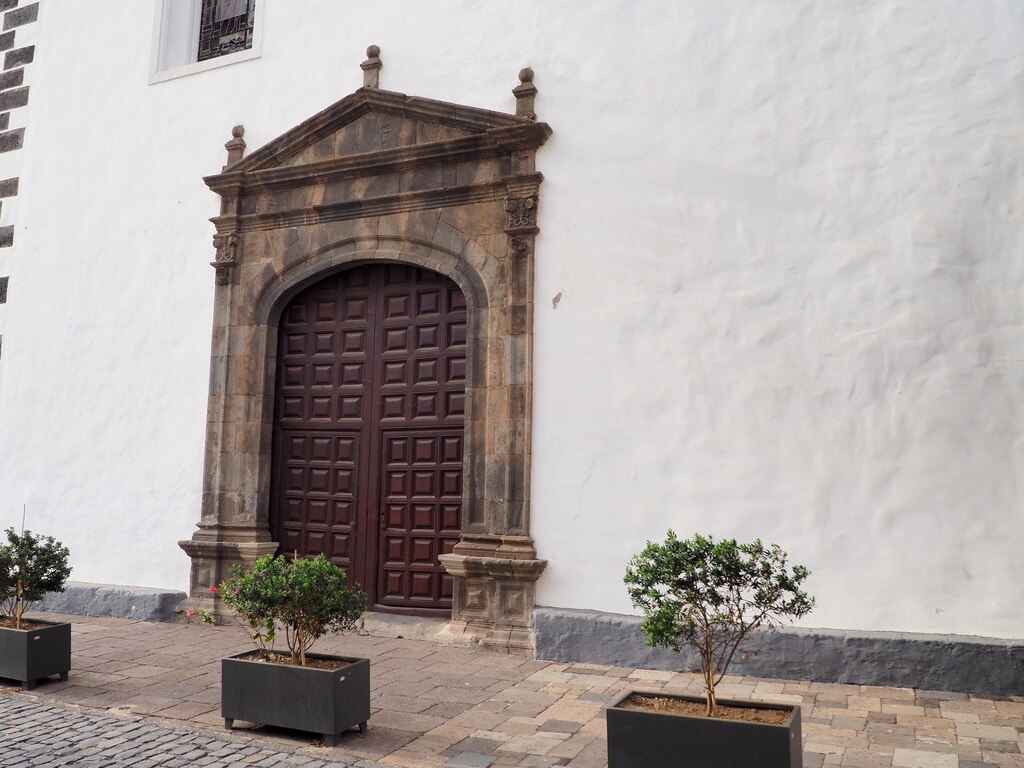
642,739
29,655
322,701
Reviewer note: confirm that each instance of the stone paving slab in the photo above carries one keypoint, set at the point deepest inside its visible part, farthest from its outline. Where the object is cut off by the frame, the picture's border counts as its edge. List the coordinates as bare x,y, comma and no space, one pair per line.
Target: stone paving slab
435,706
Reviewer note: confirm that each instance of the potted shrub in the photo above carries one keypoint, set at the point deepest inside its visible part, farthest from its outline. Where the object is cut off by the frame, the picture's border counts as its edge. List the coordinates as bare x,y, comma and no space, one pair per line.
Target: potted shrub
294,688
30,650
709,596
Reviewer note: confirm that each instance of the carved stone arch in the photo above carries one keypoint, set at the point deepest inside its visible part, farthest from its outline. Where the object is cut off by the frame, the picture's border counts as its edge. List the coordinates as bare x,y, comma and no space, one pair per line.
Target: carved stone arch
279,288
383,177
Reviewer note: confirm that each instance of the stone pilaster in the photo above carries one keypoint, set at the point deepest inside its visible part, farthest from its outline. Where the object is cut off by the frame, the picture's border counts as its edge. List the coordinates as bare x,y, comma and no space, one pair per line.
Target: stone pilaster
495,573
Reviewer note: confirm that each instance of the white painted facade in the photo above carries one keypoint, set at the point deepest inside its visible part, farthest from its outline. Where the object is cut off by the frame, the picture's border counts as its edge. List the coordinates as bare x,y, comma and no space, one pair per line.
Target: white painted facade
779,284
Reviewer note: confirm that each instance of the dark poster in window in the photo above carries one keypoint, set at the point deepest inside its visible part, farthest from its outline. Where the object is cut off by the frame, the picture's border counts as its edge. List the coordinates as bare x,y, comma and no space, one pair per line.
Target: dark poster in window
225,27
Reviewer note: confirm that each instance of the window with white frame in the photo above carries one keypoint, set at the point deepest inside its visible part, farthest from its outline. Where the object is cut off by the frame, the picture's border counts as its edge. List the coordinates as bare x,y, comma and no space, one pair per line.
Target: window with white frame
196,35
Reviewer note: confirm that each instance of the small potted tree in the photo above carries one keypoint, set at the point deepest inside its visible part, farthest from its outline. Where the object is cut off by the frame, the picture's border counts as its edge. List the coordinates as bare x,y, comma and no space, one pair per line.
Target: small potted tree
709,596
30,650
295,688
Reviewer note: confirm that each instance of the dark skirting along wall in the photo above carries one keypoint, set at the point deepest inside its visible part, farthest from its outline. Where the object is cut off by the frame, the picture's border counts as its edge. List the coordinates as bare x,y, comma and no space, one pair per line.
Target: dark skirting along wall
929,662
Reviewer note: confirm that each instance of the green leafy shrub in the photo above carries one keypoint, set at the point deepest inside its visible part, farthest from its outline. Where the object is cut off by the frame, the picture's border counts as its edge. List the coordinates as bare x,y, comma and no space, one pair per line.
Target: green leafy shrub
711,595
30,567
309,598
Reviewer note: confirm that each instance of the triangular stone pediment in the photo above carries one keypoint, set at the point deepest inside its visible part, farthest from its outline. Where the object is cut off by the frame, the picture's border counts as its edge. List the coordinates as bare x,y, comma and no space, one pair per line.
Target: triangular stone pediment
371,121
379,152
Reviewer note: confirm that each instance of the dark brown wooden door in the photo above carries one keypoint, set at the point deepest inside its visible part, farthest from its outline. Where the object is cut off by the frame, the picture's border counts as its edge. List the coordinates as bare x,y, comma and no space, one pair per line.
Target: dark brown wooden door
368,434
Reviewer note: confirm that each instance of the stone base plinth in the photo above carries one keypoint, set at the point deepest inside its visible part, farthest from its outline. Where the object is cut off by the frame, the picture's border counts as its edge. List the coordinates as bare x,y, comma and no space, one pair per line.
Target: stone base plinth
213,551
494,596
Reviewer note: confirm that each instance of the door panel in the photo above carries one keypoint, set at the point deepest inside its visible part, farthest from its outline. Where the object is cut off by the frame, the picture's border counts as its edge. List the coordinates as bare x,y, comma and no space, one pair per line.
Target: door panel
317,510
422,490
368,433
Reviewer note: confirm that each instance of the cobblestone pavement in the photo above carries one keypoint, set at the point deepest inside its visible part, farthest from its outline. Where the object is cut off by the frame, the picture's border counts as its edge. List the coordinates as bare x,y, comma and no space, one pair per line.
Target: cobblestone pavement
434,706
35,733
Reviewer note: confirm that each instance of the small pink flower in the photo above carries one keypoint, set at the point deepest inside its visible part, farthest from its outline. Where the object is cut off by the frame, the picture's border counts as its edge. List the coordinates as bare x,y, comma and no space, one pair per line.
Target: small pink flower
189,612
213,587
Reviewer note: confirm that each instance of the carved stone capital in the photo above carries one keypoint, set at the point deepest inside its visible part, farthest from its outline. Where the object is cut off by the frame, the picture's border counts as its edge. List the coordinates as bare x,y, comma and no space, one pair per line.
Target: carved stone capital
226,245
522,212
522,198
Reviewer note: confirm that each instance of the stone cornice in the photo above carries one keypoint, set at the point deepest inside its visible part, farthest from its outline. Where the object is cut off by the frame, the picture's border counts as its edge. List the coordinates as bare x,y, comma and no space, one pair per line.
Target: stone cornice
377,206
493,143
494,567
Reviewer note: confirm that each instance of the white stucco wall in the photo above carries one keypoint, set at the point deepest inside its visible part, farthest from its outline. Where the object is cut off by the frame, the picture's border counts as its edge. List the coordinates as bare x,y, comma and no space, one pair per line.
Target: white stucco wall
784,239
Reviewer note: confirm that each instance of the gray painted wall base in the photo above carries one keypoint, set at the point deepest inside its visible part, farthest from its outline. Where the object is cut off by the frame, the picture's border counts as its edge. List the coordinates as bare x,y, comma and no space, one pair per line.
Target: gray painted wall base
82,599
931,662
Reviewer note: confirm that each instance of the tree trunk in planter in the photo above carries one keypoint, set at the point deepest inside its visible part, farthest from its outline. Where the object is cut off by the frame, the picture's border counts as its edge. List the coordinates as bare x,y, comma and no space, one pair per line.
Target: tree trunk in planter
29,655
325,701
640,738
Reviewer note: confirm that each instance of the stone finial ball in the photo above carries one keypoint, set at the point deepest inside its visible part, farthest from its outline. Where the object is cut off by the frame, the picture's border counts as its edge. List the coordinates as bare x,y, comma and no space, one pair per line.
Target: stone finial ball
238,131
373,52
526,75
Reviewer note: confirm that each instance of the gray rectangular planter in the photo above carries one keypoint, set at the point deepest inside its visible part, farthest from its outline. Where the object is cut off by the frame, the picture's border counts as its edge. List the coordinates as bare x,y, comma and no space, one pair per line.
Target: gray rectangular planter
322,701
643,739
29,655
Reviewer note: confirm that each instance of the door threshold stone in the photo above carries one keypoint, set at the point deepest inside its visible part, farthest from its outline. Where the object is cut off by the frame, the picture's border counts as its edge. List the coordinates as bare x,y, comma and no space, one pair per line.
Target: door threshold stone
400,626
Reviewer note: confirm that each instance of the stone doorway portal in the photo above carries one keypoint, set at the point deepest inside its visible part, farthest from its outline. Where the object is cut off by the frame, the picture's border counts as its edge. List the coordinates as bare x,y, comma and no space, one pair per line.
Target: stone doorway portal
384,178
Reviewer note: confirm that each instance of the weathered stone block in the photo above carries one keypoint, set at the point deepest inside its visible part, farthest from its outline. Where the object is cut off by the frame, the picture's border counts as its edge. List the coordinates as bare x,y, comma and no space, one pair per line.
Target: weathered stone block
12,78
362,136
449,238
413,225
84,599
12,140
21,16
14,98
19,56
427,132
322,150
468,173
519,481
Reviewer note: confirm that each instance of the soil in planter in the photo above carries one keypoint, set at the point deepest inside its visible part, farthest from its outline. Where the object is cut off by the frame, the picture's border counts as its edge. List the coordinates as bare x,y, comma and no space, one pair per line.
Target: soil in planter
698,708
277,657
7,621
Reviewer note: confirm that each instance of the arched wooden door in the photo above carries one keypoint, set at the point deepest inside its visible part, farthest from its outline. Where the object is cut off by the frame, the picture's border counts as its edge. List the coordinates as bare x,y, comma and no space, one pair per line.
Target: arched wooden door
368,430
